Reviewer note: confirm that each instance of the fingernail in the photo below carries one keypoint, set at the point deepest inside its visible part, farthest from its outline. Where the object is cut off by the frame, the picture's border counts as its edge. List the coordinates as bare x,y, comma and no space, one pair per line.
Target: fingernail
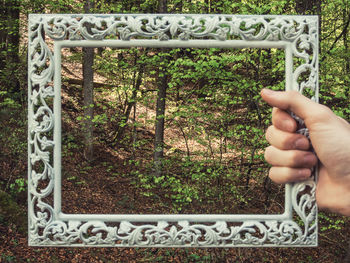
301,144
304,173
309,159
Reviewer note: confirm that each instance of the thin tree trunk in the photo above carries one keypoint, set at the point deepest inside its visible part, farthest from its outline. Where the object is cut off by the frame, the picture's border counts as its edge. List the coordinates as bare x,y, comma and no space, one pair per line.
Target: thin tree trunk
207,6
163,6
159,129
88,94
160,108
209,144
135,88
134,133
186,141
250,168
307,7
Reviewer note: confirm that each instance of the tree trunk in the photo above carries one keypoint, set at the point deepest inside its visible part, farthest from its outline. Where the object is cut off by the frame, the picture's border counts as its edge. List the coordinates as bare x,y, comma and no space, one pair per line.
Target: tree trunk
160,107
159,129
134,133
207,6
132,101
163,6
3,34
307,7
88,92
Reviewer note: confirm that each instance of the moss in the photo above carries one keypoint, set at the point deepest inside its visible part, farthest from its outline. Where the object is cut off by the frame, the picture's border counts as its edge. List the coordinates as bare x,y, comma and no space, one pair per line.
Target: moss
11,212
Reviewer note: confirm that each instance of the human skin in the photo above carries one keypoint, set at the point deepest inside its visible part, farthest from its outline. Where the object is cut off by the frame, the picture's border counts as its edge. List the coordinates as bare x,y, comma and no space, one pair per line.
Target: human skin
290,155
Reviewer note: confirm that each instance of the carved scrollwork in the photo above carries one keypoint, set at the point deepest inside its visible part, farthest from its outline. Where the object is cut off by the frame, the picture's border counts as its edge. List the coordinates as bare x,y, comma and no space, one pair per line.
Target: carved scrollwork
47,229
184,27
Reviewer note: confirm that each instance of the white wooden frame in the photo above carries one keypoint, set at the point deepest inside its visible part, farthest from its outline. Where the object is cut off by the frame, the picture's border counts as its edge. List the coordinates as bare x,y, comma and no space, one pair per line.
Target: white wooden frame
49,226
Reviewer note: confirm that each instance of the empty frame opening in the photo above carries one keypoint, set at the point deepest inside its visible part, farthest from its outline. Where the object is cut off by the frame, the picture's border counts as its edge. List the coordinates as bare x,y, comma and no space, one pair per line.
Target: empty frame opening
213,131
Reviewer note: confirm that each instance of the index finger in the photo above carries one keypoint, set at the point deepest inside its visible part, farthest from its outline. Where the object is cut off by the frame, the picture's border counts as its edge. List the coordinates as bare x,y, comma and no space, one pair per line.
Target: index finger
293,101
283,121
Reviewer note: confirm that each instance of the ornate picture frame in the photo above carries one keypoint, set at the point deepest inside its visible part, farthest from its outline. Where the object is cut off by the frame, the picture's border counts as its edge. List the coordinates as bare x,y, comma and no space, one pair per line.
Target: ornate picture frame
49,226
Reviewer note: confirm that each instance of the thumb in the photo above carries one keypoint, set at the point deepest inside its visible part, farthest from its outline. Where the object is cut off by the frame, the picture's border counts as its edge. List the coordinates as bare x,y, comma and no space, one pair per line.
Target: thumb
303,107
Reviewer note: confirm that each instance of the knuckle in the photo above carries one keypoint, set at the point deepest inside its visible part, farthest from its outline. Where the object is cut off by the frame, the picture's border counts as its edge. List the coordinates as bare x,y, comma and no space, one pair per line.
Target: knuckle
287,142
274,112
268,133
295,158
292,94
268,153
271,174
324,114
278,175
276,115
325,111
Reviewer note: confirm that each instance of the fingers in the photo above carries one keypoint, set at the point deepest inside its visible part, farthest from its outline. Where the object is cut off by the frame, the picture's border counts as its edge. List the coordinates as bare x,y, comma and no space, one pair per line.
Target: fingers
291,162
282,175
286,140
305,108
288,154
289,166
283,121
290,158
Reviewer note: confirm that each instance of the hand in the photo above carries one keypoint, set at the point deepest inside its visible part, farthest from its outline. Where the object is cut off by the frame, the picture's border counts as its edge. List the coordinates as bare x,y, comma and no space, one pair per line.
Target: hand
290,155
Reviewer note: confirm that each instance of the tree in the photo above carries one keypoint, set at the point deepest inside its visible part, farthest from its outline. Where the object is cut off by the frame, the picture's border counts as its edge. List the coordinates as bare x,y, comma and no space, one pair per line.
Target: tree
131,102
160,107
88,93
305,7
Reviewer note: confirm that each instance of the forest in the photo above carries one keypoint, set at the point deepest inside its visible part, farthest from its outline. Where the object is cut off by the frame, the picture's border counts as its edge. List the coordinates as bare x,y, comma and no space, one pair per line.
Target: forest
163,130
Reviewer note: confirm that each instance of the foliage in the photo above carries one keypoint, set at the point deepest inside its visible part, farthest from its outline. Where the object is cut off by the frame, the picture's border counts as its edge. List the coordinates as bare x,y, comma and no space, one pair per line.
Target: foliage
329,222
